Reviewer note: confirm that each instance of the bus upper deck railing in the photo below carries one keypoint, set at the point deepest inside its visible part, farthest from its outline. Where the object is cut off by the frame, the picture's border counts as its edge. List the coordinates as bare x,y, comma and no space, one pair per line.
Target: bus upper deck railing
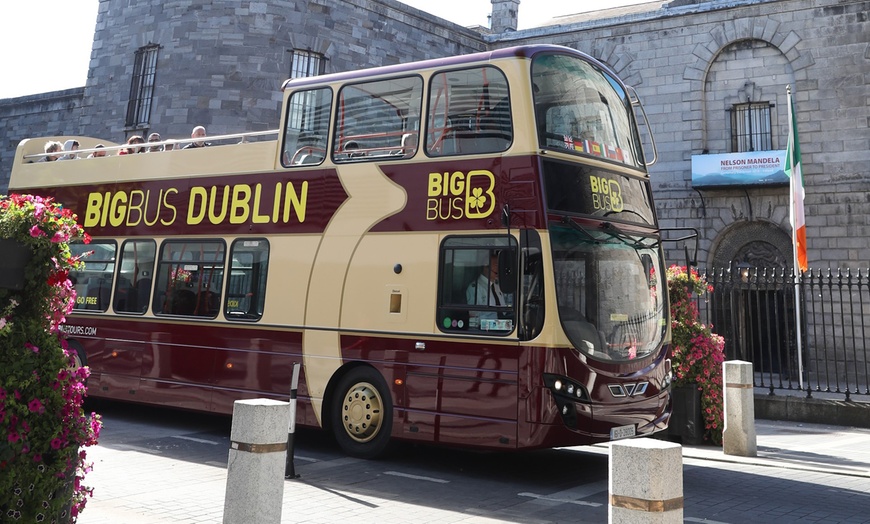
180,143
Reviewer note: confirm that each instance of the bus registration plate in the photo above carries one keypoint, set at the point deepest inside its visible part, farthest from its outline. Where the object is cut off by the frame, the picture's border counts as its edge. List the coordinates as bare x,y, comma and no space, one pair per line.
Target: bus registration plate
622,432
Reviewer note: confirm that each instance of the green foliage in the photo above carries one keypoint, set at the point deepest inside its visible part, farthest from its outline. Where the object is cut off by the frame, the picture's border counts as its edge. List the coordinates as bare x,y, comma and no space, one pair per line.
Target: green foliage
696,352
42,424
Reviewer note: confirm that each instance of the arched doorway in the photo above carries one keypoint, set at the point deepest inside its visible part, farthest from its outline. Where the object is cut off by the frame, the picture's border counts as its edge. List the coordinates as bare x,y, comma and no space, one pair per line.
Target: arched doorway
753,300
759,244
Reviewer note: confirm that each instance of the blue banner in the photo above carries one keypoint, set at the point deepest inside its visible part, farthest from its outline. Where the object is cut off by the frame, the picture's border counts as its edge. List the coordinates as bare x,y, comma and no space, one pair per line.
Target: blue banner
751,168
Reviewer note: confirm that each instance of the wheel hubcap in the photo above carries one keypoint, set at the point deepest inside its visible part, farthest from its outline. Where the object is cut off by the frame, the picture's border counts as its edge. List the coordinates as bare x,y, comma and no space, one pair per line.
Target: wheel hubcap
361,412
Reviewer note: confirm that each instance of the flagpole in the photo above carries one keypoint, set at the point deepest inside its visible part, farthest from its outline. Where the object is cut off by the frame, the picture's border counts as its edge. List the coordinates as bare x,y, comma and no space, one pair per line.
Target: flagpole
793,190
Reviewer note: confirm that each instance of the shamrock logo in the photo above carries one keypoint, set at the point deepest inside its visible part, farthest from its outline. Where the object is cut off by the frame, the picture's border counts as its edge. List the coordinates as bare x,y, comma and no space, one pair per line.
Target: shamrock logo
477,199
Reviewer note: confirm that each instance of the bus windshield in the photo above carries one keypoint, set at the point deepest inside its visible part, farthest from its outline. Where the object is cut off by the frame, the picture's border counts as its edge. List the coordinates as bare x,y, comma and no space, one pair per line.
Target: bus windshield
582,109
612,301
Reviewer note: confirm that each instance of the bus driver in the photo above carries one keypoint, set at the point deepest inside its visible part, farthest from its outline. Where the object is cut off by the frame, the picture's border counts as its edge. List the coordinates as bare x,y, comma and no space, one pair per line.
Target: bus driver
485,289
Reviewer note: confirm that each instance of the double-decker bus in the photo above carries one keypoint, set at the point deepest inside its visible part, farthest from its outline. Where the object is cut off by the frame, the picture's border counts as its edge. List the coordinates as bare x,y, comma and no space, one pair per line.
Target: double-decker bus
460,251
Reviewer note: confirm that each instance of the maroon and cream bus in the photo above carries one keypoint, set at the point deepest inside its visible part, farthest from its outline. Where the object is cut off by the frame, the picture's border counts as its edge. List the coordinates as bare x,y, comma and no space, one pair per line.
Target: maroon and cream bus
460,251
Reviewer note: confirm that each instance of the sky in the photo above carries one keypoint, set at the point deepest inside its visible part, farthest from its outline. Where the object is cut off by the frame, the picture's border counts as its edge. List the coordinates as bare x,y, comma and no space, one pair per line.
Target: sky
48,42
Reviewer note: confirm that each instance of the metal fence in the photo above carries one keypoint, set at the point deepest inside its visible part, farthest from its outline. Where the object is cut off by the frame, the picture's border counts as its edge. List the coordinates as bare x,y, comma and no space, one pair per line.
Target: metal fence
754,310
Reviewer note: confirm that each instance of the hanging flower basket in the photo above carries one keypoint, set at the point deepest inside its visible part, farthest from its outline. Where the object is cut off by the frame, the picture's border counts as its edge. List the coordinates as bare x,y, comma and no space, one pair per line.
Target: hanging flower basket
43,426
696,356
14,257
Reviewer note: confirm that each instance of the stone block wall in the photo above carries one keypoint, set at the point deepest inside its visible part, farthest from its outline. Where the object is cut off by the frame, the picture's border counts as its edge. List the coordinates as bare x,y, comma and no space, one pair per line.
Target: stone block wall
690,63
221,64
46,114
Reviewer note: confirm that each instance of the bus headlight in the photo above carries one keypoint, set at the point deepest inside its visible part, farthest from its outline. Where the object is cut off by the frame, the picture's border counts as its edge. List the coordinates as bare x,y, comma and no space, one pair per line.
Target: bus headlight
565,388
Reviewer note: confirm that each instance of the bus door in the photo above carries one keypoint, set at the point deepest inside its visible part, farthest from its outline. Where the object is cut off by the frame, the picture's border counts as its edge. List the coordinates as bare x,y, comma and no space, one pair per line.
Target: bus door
463,388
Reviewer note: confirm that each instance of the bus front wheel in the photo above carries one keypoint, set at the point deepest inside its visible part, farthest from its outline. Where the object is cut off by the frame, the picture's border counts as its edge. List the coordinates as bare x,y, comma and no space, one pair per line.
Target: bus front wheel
362,413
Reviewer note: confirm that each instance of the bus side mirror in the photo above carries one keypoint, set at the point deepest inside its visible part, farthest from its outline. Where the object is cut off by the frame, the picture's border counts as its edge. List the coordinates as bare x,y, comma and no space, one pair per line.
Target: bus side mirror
507,270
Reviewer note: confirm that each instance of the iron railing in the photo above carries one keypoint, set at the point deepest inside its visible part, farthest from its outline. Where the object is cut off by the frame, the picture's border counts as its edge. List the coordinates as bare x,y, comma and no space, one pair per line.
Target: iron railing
754,310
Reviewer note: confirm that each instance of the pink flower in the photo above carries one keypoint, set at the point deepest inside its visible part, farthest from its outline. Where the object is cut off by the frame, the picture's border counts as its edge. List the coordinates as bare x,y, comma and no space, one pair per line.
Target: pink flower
56,443
60,236
35,232
13,437
35,406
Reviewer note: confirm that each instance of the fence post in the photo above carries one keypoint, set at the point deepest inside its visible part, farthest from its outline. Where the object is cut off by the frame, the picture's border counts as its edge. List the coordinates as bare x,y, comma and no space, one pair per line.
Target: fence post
646,482
738,436
255,468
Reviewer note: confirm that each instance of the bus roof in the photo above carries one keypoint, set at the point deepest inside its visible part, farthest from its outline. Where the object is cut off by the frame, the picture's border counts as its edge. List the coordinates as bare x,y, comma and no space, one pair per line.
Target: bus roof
526,51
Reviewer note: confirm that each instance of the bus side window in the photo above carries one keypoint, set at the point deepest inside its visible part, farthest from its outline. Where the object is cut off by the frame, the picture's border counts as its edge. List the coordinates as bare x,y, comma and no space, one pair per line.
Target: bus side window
136,267
477,287
377,120
470,113
246,284
93,284
306,128
189,278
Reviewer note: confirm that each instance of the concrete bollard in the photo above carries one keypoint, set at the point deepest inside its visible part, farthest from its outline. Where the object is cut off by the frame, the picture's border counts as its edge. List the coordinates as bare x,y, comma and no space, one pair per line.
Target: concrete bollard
738,436
255,468
646,482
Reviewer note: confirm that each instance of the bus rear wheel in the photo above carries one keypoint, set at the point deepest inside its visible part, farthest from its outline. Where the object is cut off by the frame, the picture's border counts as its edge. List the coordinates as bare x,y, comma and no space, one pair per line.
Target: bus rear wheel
362,412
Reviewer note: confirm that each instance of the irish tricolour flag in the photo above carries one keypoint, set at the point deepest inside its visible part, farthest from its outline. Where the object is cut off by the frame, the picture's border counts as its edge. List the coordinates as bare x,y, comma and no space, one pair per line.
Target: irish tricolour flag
796,182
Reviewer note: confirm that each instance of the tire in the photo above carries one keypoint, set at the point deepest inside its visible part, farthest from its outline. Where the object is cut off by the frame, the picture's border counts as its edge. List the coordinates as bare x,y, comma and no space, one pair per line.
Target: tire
362,413
78,353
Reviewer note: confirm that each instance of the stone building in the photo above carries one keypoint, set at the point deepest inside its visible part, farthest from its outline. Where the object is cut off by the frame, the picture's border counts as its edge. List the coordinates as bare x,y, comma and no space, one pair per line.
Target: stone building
167,66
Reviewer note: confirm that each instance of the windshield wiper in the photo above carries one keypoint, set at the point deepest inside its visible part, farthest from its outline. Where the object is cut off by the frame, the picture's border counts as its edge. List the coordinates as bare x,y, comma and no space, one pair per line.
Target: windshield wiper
626,238
581,229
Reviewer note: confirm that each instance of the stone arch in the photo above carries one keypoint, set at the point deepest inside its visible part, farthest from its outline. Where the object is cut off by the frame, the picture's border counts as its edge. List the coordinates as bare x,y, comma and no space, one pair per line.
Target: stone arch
604,50
731,33
759,243
722,91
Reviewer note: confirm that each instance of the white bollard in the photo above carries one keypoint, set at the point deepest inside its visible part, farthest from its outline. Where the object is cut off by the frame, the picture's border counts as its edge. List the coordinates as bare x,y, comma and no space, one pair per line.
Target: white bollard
738,436
255,468
646,482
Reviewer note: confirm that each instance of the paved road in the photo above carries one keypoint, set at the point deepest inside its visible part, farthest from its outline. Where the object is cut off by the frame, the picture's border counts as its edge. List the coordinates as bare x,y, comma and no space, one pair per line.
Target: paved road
162,466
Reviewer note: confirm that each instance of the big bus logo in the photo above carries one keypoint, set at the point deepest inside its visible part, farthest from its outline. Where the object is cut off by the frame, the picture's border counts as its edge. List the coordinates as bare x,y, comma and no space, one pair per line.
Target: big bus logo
606,194
459,195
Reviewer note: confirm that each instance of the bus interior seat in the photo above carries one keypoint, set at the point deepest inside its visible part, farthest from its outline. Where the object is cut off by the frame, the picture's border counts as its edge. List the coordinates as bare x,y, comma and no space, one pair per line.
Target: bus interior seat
100,289
209,304
449,144
182,302
309,159
143,295
464,277
123,294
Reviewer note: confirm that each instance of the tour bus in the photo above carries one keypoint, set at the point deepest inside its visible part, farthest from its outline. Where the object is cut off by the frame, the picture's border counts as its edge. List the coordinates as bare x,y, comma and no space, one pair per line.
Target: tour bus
461,251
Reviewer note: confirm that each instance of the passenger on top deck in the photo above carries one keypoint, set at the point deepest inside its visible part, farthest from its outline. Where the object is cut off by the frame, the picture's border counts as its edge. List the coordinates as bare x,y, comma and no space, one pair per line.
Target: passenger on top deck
52,146
100,151
198,132
132,141
68,147
154,137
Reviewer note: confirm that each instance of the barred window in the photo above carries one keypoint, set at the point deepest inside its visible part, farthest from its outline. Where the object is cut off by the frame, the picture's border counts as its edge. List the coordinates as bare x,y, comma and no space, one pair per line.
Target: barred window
142,86
306,63
750,127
